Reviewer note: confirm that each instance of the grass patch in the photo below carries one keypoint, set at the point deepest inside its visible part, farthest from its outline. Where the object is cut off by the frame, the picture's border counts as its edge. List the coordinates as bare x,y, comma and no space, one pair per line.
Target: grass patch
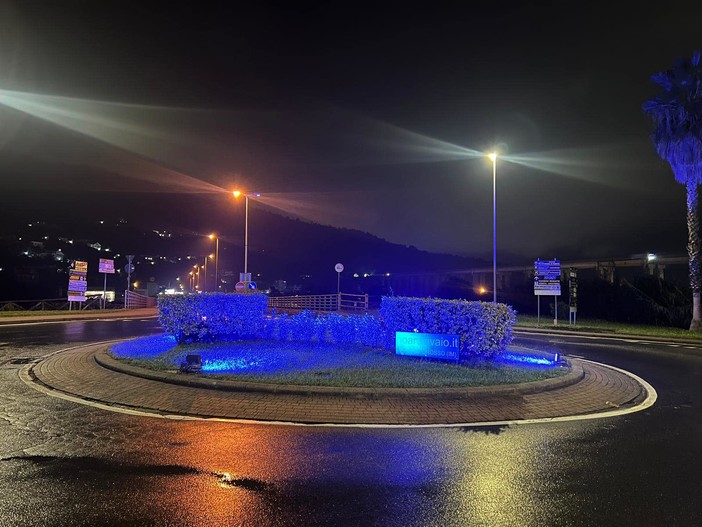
604,326
319,364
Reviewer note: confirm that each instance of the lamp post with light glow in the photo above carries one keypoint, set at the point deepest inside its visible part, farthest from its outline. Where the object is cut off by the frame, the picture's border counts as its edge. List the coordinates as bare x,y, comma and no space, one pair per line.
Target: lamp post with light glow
207,258
236,194
493,157
214,237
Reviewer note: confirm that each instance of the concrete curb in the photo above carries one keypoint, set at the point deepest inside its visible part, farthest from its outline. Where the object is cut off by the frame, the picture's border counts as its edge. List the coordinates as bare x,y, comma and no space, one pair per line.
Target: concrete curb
577,373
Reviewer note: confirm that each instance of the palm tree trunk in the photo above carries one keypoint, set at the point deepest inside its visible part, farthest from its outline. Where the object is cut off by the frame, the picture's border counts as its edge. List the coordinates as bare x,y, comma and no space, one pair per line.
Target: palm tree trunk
693,252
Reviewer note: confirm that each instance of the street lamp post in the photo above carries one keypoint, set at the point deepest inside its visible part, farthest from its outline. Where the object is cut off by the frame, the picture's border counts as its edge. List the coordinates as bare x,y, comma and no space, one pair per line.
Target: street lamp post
214,237
209,256
236,194
493,157
205,286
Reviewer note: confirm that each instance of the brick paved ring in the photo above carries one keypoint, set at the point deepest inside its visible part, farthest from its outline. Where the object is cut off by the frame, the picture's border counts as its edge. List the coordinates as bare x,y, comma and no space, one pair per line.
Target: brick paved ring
87,374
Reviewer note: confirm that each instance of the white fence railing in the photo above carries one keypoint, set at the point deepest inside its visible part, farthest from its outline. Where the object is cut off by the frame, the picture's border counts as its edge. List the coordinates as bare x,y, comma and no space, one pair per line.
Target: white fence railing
50,304
134,300
335,302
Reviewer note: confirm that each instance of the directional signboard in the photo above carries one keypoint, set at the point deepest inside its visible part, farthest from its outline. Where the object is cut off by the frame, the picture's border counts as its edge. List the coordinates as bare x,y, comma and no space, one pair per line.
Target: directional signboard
573,289
547,277
77,282
106,266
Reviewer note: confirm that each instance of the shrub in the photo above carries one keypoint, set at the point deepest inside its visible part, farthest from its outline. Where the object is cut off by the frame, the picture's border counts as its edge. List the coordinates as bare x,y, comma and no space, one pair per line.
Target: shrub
485,329
332,328
212,316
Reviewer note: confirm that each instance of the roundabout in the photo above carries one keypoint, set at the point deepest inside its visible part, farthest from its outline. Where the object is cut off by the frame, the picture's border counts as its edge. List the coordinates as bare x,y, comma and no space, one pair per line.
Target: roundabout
88,375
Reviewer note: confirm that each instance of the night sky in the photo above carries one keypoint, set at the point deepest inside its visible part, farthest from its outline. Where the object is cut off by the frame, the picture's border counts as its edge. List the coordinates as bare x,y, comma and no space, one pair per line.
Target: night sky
361,116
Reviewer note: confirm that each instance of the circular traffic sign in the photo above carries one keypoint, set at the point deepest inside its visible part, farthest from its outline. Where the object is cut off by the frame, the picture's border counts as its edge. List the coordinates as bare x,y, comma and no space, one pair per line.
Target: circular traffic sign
252,285
129,268
339,267
240,287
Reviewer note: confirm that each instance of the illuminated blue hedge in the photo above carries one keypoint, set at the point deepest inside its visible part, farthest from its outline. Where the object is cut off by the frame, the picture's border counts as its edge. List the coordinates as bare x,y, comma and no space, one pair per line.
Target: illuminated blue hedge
485,328
332,328
212,316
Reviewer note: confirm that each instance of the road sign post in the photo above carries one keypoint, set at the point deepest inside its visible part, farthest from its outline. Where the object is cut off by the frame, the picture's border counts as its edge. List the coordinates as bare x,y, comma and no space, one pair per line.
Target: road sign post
129,269
547,281
572,295
106,266
339,268
77,283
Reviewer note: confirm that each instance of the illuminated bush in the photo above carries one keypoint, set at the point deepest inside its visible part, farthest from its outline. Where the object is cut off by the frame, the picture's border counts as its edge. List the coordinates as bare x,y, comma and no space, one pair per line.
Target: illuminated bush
332,328
485,329
212,316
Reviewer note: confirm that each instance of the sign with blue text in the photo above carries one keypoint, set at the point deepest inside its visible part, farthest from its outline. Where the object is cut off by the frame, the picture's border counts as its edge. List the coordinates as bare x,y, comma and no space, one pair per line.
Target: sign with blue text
427,345
547,277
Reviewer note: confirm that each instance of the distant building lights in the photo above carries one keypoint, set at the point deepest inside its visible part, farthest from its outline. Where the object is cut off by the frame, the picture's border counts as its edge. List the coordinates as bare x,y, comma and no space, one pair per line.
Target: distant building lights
355,275
650,257
365,275
387,274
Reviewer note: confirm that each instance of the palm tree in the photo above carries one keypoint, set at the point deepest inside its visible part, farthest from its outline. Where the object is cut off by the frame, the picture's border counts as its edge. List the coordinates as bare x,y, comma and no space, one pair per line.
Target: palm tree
677,114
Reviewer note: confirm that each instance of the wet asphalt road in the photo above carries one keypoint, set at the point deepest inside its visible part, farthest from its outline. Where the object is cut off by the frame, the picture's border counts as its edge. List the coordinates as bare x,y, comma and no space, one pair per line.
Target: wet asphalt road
67,464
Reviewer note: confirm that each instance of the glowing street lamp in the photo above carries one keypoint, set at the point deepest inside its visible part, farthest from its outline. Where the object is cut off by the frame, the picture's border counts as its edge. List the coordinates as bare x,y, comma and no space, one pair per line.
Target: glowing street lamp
493,157
236,194
214,237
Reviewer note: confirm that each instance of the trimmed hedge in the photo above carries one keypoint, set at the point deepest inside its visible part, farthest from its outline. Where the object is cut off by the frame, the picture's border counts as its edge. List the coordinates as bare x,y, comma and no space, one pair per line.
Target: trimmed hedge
331,328
485,329
212,316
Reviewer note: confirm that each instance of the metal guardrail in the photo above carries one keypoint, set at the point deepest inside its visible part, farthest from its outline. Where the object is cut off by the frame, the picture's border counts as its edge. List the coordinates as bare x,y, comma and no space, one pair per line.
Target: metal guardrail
345,302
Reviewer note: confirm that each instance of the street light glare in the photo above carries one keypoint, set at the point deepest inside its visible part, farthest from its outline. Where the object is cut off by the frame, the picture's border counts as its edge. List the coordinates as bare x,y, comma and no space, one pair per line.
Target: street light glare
212,236
492,156
236,193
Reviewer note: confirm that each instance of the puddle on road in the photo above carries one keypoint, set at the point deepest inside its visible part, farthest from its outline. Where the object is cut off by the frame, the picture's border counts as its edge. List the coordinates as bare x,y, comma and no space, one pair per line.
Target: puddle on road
58,467
22,360
487,430
227,480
